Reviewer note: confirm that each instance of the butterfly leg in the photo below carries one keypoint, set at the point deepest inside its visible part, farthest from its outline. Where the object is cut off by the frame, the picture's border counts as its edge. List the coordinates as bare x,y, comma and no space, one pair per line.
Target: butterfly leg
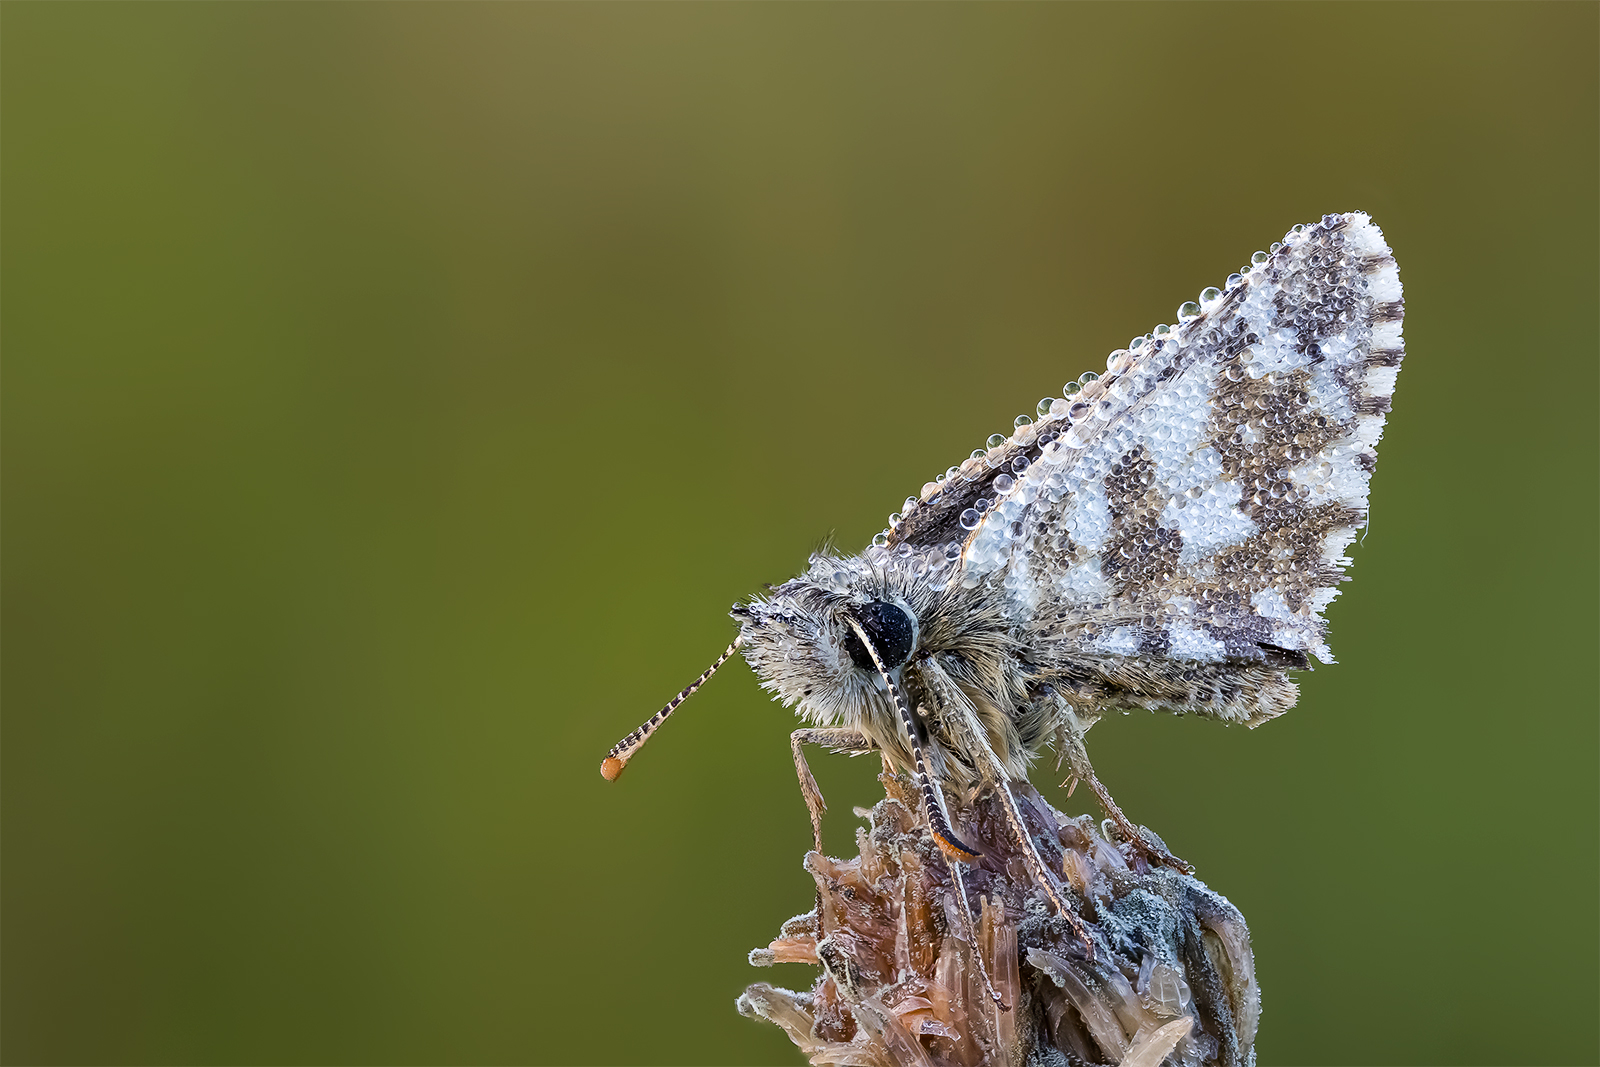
1036,865
1071,737
995,773
961,718
835,738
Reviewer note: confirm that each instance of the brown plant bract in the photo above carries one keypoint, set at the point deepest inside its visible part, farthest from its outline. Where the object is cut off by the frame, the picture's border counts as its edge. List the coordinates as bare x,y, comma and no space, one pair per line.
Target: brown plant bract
1171,979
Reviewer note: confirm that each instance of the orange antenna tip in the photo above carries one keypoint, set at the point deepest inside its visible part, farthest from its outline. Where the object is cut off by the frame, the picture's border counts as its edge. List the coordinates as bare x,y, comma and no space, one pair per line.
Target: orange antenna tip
954,849
623,750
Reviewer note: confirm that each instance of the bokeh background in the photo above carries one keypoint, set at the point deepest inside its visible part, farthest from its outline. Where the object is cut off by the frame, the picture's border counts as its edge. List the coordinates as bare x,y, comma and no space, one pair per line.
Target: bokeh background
396,397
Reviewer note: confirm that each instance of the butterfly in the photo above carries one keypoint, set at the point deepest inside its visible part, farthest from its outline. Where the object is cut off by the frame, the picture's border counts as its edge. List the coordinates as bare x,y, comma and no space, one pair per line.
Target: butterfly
1165,535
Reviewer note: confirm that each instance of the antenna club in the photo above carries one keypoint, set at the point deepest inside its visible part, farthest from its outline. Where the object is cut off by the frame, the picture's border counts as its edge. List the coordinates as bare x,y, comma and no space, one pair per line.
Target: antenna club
954,849
611,767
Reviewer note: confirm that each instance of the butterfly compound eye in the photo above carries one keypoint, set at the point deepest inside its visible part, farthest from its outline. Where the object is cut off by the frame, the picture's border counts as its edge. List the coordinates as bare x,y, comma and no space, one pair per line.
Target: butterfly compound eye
890,630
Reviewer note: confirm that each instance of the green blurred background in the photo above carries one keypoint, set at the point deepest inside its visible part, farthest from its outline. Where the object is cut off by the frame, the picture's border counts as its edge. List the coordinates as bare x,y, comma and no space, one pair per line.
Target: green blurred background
396,397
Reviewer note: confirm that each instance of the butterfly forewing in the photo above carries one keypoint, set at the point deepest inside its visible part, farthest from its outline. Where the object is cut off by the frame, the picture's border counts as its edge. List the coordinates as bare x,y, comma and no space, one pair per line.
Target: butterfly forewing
1196,501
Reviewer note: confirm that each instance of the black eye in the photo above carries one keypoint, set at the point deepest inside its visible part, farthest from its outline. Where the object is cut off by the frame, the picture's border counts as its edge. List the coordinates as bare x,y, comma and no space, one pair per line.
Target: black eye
890,631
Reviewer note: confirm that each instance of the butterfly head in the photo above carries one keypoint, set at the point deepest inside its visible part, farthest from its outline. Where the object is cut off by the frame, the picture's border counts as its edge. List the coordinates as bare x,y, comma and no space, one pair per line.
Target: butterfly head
808,639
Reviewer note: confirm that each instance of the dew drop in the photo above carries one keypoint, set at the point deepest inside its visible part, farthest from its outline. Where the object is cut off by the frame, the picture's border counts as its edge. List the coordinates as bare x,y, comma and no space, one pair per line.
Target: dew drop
1003,483
996,440
1087,376
1233,280
1022,420
1258,258
1070,388
977,453
880,540
1162,331
1188,310
969,521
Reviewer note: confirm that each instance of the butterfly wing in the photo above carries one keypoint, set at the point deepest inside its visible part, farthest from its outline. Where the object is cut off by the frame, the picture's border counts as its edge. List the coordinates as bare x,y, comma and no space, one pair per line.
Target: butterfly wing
1196,501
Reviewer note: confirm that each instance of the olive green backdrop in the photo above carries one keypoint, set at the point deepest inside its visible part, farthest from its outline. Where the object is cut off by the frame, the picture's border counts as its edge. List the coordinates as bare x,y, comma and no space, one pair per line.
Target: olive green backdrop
396,397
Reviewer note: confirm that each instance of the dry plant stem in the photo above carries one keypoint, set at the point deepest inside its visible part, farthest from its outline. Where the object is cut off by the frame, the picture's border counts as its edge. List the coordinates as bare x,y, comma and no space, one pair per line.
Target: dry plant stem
904,977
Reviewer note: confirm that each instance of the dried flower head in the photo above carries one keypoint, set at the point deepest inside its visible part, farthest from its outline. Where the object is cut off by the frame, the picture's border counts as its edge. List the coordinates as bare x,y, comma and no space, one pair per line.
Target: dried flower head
1171,978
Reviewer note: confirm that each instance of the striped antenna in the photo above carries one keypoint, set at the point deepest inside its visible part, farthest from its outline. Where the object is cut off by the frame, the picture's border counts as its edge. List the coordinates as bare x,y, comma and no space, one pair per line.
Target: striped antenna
938,822
617,759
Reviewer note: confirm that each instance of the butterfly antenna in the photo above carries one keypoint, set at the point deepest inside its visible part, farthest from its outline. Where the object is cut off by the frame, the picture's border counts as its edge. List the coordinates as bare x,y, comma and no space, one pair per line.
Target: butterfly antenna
948,842
617,759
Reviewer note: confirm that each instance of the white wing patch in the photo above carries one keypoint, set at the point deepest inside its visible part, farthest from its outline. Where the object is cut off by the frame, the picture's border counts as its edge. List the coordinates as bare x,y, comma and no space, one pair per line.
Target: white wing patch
1190,643
1211,520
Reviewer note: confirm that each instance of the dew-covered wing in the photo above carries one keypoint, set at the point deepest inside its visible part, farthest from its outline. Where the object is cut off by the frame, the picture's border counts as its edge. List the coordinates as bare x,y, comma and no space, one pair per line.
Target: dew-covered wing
1196,501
